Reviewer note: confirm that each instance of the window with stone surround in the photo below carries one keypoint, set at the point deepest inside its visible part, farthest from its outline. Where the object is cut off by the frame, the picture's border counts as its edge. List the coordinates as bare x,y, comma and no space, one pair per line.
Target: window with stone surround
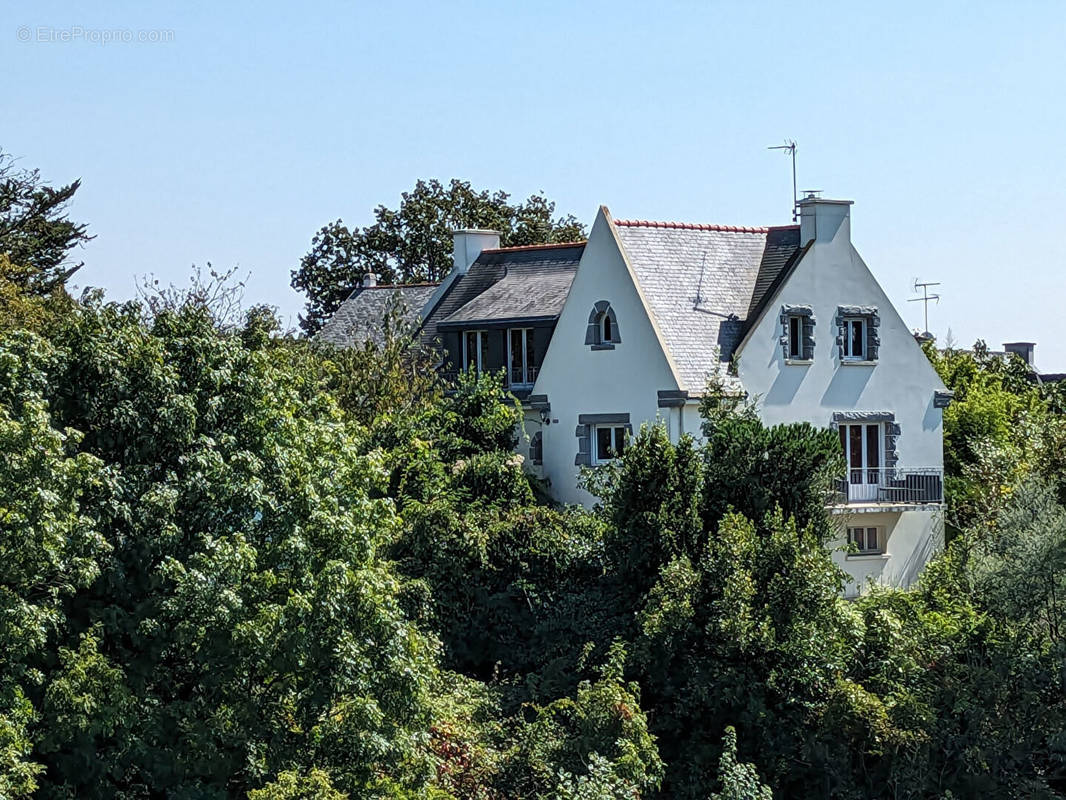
797,333
602,331
858,337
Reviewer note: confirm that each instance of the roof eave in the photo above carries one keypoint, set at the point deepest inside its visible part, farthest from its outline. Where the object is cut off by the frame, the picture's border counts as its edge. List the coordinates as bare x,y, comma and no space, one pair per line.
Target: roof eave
771,294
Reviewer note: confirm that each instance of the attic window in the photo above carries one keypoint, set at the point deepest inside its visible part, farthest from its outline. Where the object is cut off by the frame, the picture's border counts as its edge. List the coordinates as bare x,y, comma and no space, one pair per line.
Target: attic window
858,337
602,331
797,333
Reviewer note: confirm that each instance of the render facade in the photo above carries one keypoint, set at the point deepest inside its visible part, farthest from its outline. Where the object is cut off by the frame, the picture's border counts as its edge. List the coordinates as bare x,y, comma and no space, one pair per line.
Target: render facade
627,329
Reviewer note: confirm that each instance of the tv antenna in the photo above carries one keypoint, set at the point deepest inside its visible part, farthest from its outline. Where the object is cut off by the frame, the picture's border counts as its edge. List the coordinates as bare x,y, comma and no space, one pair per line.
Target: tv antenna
789,147
925,298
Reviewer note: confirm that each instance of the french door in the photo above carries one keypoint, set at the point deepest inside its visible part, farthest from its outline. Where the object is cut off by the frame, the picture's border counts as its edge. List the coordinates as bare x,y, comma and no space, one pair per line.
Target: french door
862,449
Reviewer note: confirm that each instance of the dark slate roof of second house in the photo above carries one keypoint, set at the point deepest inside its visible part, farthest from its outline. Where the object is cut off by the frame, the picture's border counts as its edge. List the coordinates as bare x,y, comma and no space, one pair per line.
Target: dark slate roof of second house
534,285
701,282
544,272
361,317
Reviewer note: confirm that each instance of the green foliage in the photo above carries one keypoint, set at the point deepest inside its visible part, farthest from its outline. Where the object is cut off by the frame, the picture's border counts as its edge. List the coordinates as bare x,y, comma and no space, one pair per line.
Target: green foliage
1000,429
604,719
739,781
242,623
291,785
35,232
414,242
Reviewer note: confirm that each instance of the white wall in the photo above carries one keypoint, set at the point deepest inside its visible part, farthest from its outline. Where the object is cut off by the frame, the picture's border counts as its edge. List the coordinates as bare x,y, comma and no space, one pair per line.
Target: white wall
578,380
911,539
903,381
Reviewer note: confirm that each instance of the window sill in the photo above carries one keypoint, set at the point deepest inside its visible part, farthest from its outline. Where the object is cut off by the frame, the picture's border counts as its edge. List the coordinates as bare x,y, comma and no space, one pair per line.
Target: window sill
867,556
799,362
846,362
603,347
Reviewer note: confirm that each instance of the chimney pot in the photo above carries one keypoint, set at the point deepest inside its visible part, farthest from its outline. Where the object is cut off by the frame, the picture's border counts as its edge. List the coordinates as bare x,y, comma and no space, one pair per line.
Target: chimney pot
824,220
1023,349
468,244
370,280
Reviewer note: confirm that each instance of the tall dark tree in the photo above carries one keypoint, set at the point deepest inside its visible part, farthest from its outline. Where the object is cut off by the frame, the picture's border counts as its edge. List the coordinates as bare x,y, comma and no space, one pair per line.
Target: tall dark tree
35,233
414,243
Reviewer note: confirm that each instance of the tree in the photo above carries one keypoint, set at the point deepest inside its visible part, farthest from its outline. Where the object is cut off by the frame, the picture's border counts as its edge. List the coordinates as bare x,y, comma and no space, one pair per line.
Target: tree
739,781
35,233
414,242
242,625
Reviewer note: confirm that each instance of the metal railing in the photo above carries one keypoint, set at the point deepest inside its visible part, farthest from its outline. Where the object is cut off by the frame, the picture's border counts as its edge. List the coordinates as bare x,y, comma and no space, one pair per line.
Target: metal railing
523,377
907,485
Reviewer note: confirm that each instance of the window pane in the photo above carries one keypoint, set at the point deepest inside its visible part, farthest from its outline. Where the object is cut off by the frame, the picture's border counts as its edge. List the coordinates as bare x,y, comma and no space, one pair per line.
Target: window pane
619,440
873,451
531,373
603,444
794,328
517,374
855,452
606,327
856,338
871,539
470,354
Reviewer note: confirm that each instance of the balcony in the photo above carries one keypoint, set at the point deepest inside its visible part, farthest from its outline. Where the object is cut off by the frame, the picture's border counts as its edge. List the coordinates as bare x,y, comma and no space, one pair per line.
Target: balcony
890,486
522,378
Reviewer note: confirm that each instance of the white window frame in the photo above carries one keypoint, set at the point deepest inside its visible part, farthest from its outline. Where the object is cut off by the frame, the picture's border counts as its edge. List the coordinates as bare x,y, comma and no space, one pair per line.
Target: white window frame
527,368
616,432
795,337
604,327
482,337
879,536
848,323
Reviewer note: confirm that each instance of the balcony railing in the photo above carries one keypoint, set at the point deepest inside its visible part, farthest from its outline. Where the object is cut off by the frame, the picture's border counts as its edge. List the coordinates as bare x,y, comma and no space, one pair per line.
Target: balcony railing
893,485
523,377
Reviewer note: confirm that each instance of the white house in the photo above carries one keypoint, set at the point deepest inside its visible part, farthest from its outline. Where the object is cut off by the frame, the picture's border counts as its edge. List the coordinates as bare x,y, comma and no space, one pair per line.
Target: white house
627,328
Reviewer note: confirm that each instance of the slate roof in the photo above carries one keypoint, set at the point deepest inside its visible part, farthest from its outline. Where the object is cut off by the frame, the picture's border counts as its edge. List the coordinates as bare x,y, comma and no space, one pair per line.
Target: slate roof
540,271
701,281
361,317
535,284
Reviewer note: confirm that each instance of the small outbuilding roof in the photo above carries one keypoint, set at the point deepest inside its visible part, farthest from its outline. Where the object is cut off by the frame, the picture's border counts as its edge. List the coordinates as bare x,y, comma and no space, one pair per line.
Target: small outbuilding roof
361,317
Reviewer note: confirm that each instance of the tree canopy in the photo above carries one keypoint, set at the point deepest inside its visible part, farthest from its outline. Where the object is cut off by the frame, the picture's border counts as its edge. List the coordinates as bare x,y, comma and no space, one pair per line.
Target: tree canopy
413,242
36,235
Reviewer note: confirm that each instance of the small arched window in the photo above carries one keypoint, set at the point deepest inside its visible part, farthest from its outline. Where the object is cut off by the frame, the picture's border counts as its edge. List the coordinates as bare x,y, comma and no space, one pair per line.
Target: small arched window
602,332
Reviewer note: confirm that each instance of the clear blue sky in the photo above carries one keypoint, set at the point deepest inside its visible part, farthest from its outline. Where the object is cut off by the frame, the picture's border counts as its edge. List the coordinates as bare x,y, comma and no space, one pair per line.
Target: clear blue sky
257,123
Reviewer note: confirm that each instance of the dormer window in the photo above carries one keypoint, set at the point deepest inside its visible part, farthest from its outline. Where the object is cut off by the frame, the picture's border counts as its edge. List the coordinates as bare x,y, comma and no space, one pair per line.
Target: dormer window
475,347
602,331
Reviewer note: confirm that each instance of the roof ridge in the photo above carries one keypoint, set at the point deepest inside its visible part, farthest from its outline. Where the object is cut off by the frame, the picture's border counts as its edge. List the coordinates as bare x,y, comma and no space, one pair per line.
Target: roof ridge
550,246
400,285
692,226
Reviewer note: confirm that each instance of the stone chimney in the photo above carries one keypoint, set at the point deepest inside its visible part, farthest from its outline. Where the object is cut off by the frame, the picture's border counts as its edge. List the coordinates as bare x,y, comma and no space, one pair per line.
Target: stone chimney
370,280
468,244
1023,349
824,220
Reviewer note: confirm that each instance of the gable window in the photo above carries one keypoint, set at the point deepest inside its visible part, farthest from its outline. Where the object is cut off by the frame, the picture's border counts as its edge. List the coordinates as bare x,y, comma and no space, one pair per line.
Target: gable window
475,347
797,333
602,331
855,338
520,367
610,442
866,540
795,342
858,338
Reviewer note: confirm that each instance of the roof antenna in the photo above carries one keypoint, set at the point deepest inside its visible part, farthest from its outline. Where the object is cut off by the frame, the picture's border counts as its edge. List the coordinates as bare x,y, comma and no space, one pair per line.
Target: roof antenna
925,298
790,147
699,287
